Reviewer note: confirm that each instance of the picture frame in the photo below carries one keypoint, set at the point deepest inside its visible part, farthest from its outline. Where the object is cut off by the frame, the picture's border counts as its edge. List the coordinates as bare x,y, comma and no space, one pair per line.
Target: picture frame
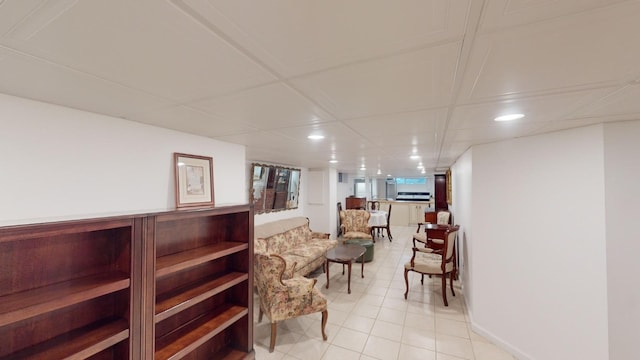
193,180
448,180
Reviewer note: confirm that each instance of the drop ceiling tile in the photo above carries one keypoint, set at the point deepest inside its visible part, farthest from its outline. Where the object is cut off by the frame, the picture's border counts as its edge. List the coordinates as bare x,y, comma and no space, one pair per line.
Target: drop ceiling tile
407,82
580,122
31,78
400,123
535,108
147,45
335,134
501,131
266,107
260,139
453,149
619,103
182,118
597,48
12,12
303,36
506,13
421,142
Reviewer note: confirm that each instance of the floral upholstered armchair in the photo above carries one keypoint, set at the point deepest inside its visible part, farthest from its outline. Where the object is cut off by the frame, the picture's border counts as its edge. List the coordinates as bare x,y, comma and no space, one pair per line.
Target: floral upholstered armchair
355,224
282,299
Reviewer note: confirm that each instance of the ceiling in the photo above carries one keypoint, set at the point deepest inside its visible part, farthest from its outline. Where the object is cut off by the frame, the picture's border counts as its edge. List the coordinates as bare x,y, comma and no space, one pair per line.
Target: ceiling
381,80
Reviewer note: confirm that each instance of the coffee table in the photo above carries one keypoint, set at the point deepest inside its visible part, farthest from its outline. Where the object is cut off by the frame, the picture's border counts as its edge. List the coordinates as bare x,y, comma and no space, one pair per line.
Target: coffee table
345,254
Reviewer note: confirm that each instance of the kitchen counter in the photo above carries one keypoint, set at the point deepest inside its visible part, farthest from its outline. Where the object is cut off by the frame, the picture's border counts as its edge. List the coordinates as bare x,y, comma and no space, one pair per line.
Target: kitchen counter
406,212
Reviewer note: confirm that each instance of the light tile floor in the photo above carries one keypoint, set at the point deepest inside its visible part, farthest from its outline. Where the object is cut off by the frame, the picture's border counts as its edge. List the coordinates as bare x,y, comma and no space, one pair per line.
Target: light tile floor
375,321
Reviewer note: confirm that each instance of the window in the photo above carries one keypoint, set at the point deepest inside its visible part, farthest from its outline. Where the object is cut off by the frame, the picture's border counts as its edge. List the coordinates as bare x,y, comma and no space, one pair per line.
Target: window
411,181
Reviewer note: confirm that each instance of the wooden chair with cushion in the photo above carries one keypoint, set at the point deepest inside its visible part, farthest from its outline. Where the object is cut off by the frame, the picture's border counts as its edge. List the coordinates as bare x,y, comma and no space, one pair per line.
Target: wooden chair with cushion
355,224
339,231
443,218
386,226
373,205
426,261
285,299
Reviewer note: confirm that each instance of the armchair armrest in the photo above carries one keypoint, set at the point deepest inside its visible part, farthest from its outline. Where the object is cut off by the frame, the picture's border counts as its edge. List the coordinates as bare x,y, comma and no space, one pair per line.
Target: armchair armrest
422,250
299,286
319,235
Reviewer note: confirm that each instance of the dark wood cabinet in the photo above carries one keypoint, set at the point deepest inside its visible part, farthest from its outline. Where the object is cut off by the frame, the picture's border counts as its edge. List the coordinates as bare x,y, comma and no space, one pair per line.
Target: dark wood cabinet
440,189
203,283
430,217
67,288
166,285
355,203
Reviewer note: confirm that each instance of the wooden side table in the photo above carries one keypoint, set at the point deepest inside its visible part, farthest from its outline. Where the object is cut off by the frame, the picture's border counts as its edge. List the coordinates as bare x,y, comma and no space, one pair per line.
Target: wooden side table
345,254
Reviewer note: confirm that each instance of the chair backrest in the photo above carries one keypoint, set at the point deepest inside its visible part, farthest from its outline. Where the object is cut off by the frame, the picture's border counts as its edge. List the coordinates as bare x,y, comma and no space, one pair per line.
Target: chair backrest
339,230
355,220
450,241
373,205
389,215
443,217
268,271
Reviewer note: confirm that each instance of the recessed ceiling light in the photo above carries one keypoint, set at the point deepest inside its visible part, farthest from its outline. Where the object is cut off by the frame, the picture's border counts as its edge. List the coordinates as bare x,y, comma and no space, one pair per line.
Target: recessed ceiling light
414,157
379,172
388,175
509,117
333,161
315,137
363,168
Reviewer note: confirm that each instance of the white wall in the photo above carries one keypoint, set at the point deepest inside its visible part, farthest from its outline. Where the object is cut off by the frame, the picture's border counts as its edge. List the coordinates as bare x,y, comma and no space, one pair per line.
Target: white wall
61,163
537,244
321,211
461,186
622,171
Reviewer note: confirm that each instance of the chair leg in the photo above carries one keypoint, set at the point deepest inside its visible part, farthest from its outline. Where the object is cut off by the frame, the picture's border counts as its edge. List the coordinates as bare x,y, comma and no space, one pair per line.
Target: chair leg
325,316
444,289
260,315
451,282
422,278
406,283
274,332
389,233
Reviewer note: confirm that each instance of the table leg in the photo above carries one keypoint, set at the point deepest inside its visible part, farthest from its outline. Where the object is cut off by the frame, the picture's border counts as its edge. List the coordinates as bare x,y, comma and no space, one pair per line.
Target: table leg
326,265
349,278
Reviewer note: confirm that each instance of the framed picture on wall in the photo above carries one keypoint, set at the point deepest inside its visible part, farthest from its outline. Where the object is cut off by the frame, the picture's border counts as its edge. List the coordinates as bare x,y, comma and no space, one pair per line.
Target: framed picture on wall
448,177
193,180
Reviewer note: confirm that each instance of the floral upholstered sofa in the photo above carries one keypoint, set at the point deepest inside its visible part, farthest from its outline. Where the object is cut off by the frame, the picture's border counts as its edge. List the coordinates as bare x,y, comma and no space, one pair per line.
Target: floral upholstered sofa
302,249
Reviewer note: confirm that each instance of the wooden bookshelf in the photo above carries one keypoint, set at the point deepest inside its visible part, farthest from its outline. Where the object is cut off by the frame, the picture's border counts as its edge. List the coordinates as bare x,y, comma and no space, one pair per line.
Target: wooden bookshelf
162,285
203,284
65,289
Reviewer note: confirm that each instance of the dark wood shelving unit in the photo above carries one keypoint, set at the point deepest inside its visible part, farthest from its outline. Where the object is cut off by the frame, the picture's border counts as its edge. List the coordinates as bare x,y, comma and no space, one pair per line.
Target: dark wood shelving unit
27,304
65,289
203,284
190,336
163,285
183,260
78,344
192,295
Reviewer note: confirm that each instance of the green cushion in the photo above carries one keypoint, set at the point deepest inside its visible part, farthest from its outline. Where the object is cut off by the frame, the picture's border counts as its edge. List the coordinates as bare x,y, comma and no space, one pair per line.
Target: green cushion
368,244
